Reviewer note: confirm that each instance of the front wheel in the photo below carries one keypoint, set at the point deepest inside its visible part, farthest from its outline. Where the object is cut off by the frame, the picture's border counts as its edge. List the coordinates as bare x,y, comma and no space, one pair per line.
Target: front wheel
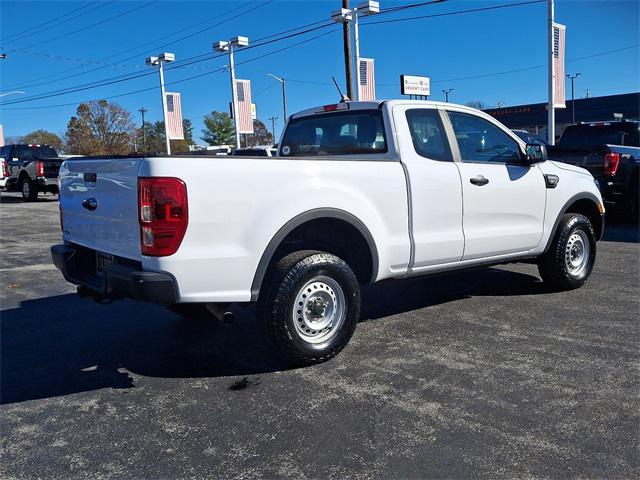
570,258
309,306
28,190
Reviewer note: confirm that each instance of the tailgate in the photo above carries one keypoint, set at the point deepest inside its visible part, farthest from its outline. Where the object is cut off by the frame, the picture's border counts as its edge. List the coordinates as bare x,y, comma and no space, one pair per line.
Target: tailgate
99,205
593,162
51,167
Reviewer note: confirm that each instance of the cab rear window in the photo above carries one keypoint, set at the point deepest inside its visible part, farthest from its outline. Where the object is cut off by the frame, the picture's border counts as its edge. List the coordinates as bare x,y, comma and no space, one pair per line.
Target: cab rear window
343,133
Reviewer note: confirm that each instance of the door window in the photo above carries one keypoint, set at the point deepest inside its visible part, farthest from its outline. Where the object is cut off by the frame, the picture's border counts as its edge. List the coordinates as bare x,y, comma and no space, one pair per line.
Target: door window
428,135
481,141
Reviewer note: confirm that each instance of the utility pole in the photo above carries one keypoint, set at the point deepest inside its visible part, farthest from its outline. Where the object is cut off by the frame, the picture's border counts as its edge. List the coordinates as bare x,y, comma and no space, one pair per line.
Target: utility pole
159,61
142,111
344,16
273,127
284,94
586,92
224,46
551,120
573,103
446,94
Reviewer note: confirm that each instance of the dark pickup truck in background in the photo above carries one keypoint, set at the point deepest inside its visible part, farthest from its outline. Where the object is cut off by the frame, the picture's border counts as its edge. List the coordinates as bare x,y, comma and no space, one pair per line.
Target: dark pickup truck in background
610,150
29,169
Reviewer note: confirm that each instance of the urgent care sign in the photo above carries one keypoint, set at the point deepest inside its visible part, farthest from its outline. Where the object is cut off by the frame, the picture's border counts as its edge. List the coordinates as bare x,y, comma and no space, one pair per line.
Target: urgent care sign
412,85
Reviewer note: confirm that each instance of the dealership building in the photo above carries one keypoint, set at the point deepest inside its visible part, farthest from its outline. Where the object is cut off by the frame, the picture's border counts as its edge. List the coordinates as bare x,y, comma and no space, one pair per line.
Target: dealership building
533,117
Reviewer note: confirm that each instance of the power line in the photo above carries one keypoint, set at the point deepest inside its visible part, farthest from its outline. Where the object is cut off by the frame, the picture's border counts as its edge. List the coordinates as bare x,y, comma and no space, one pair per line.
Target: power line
31,84
30,31
459,12
146,72
181,80
73,32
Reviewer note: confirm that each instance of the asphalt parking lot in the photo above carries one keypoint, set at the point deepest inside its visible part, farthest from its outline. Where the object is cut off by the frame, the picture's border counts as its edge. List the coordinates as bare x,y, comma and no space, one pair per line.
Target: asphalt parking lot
478,374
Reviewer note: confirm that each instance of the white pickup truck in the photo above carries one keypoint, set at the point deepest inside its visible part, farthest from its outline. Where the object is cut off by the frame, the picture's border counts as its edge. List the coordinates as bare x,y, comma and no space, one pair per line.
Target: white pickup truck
359,192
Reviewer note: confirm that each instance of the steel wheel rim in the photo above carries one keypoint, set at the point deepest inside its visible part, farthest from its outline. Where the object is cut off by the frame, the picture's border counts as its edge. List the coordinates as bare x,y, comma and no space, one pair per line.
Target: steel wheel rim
26,189
319,310
577,251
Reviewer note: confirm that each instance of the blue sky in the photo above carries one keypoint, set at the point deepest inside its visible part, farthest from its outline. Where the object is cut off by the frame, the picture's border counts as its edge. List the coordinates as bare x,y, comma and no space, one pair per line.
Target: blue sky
446,48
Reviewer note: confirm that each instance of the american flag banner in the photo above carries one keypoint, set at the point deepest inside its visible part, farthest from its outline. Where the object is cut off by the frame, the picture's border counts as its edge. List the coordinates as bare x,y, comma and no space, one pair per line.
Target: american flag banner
174,117
558,65
245,120
367,83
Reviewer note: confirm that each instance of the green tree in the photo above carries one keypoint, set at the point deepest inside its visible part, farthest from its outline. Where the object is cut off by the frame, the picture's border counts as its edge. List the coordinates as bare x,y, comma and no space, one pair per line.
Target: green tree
219,129
154,137
260,136
99,128
43,137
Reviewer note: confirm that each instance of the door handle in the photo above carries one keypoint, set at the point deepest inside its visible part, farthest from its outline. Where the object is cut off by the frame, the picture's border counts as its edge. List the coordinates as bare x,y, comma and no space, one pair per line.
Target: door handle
479,180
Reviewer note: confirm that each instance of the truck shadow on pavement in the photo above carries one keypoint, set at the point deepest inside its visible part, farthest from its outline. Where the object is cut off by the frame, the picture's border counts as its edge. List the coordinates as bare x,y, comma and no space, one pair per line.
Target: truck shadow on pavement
62,344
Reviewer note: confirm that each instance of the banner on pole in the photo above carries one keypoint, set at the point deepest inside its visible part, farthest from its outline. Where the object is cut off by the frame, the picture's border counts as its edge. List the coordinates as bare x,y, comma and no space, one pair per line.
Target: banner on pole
558,65
243,102
174,117
367,84
254,112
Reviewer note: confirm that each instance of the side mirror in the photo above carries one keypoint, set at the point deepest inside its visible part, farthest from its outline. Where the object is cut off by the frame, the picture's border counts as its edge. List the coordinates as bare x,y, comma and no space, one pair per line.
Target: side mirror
535,153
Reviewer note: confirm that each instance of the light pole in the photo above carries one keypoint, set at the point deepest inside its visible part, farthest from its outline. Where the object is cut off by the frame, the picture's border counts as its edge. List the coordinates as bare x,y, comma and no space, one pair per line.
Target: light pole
160,60
573,104
224,46
446,94
368,8
284,94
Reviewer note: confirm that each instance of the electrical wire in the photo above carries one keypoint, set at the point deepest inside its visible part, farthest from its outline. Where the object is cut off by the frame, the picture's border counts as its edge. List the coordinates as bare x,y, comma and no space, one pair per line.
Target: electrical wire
73,32
220,69
37,28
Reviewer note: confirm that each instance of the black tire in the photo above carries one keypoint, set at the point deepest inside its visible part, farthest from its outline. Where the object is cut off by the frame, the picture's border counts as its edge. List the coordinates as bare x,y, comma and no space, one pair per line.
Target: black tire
278,302
192,311
554,264
28,190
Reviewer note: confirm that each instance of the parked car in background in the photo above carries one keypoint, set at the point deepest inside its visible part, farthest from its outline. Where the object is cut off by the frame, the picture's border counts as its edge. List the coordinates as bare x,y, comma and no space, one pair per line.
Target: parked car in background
257,151
610,150
359,192
530,138
30,169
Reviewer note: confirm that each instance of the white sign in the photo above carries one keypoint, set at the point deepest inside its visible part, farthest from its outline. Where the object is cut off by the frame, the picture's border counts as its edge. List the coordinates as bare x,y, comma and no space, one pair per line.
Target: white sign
412,85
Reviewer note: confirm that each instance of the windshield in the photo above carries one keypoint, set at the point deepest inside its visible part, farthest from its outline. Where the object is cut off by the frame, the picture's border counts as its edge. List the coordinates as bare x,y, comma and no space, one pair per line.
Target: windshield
26,152
344,133
589,136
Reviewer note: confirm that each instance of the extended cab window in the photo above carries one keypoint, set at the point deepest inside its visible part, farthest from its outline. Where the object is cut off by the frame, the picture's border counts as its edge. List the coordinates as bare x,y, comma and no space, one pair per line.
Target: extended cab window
344,133
427,133
481,141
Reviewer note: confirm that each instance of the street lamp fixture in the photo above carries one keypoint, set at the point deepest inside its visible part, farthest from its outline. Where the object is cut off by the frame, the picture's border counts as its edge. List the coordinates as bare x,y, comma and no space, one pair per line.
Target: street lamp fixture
284,94
228,46
159,61
573,105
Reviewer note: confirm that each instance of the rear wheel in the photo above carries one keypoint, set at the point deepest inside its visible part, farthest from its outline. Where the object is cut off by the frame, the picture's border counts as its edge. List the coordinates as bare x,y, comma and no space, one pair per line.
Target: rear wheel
28,190
570,258
309,306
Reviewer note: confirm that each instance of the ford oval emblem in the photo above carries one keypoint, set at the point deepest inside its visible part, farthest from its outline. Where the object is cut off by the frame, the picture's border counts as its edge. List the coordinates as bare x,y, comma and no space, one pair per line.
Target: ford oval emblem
90,204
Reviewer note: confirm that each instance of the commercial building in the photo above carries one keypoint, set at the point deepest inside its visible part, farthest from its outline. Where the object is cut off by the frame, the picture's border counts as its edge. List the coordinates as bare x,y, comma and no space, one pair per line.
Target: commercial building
533,117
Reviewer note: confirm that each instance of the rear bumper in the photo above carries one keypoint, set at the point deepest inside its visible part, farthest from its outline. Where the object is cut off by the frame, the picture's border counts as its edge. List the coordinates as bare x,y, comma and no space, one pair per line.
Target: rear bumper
117,281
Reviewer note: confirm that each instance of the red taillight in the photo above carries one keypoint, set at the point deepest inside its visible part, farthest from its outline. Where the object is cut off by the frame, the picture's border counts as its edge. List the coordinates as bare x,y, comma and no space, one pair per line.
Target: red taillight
611,163
5,169
163,215
40,169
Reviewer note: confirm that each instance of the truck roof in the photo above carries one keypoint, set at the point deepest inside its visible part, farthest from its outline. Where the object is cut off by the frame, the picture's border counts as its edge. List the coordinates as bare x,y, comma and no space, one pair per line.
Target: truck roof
355,105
